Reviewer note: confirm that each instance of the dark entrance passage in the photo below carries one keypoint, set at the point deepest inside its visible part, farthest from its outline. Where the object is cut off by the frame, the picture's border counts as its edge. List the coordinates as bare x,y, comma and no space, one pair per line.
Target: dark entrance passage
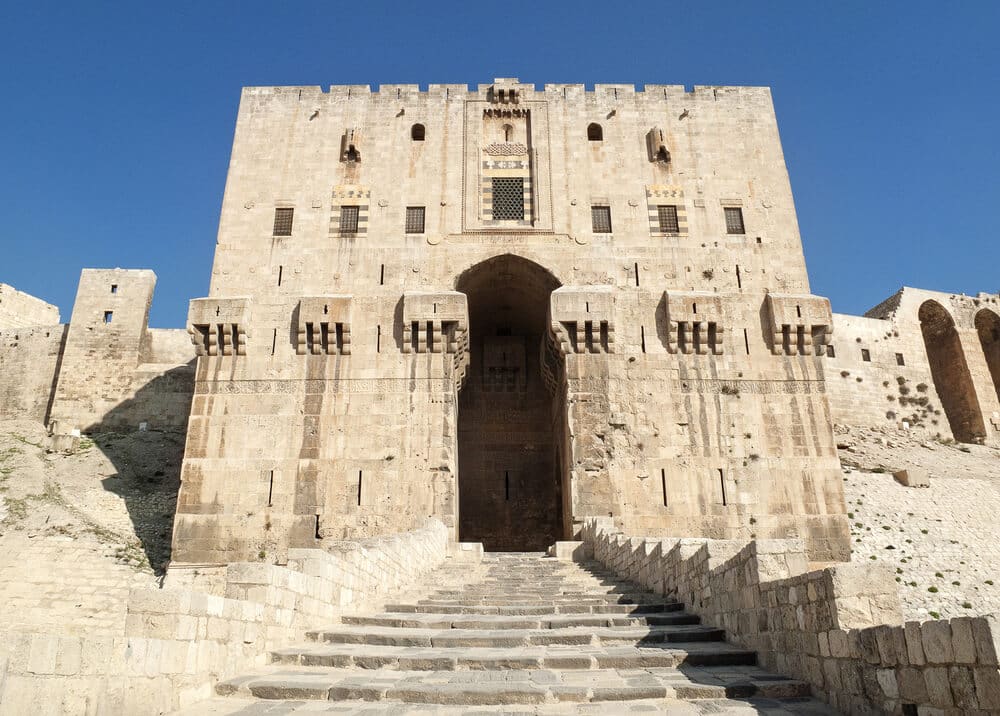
988,327
951,373
510,425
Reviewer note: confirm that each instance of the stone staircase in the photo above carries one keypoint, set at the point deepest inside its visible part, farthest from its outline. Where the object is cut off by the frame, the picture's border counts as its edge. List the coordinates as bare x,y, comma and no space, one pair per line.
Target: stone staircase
520,633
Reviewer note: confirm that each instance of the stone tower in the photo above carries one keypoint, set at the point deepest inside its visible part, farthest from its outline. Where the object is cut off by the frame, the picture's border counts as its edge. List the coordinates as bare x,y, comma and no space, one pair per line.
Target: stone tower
510,309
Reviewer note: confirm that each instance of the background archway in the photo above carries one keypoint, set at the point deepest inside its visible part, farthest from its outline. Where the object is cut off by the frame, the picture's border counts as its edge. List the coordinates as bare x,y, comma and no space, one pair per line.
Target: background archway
988,327
510,426
950,373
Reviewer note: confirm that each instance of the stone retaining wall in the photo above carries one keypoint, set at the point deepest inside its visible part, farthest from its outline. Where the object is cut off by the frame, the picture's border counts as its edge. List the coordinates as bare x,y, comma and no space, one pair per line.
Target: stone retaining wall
838,628
178,642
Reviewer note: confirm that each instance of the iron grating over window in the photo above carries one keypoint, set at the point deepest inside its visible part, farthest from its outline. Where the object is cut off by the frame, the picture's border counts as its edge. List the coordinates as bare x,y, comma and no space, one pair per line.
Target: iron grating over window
600,217
734,220
283,222
508,199
668,219
414,219
348,219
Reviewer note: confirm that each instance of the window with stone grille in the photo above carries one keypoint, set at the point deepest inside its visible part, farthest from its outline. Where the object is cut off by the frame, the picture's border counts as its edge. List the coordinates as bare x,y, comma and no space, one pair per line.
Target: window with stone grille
508,199
667,215
283,221
734,220
414,219
600,217
348,219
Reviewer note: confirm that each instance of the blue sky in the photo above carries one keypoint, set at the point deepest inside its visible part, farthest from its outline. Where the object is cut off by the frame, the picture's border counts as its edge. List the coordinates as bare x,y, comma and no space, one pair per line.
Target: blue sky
118,117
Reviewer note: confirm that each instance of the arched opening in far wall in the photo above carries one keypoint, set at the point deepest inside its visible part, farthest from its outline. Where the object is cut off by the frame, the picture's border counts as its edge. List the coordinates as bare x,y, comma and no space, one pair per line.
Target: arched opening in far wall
988,327
511,419
950,373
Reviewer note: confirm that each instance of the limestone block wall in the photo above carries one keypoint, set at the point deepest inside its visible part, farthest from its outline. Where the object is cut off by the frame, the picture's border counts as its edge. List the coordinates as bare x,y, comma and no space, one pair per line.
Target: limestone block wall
114,372
881,371
29,364
22,310
838,628
332,195
178,643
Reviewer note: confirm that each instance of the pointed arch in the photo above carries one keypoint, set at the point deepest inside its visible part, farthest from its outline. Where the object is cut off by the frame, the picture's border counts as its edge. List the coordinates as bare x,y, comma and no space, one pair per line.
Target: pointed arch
950,373
595,132
988,327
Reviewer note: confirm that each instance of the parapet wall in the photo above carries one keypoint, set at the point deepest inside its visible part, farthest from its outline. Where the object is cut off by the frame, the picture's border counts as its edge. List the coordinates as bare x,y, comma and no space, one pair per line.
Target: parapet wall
178,642
21,310
838,628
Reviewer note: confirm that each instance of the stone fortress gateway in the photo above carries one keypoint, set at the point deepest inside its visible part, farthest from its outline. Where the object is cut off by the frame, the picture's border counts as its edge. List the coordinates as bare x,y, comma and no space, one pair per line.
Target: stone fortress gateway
509,309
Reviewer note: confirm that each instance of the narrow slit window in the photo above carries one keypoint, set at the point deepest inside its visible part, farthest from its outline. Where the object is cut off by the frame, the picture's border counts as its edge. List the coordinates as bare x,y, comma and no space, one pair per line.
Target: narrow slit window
360,486
378,339
281,270
636,274
722,486
417,132
830,351
595,133
642,333
114,288
667,215
414,219
283,221
506,486
349,219
108,316
317,534
866,355
663,484
270,490
274,341
746,340
600,217
899,359
739,278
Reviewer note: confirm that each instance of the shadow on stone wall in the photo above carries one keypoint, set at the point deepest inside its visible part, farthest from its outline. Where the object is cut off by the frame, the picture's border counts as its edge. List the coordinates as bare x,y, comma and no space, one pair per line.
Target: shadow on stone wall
147,458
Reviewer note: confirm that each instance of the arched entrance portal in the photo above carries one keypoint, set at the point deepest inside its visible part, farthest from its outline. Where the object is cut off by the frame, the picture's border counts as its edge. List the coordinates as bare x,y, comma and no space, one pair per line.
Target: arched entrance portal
511,427
988,327
950,373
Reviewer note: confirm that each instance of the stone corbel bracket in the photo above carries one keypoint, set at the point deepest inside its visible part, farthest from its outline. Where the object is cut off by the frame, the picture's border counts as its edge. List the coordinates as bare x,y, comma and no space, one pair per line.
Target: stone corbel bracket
694,322
581,319
219,326
438,323
324,325
801,324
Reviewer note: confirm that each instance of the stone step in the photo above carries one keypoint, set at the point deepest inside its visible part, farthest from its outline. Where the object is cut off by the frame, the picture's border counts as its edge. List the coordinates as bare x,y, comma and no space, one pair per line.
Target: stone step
514,638
540,686
490,621
236,706
462,657
435,607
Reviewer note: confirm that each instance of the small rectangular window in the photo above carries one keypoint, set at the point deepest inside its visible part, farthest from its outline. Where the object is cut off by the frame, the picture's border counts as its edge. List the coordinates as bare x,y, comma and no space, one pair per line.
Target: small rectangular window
414,219
114,288
668,219
866,355
508,199
283,221
899,359
349,219
830,352
108,315
734,220
600,217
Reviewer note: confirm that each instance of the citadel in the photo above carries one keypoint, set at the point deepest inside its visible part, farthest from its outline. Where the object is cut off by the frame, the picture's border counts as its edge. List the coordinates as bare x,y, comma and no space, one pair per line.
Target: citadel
454,326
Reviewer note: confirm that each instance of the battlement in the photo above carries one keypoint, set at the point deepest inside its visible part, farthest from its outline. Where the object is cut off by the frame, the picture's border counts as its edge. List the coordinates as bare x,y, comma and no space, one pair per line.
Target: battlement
526,92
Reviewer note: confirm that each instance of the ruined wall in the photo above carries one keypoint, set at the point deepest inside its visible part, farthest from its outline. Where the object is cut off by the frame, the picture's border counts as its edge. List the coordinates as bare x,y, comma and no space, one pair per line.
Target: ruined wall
105,369
327,397
880,373
19,309
29,361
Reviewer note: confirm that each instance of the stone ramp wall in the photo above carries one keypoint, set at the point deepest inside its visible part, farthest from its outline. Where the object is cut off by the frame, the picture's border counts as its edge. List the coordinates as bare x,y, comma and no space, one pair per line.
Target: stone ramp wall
838,628
178,642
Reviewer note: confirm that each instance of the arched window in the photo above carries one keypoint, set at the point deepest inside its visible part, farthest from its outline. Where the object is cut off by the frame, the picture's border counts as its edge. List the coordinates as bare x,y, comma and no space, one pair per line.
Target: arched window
417,132
508,133
594,132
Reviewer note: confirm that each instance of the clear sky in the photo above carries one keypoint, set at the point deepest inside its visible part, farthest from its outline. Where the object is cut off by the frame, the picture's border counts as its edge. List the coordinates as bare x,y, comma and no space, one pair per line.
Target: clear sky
118,117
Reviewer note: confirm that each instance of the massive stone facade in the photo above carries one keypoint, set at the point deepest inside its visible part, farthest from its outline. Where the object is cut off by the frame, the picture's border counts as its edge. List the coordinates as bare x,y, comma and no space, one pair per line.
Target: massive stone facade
508,309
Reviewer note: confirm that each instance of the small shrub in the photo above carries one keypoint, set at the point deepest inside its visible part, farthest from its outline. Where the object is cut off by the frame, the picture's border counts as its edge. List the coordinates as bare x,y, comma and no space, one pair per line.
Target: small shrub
921,387
932,590
899,570
938,575
956,584
873,557
966,605
923,532
989,582
935,615
844,373
707,274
